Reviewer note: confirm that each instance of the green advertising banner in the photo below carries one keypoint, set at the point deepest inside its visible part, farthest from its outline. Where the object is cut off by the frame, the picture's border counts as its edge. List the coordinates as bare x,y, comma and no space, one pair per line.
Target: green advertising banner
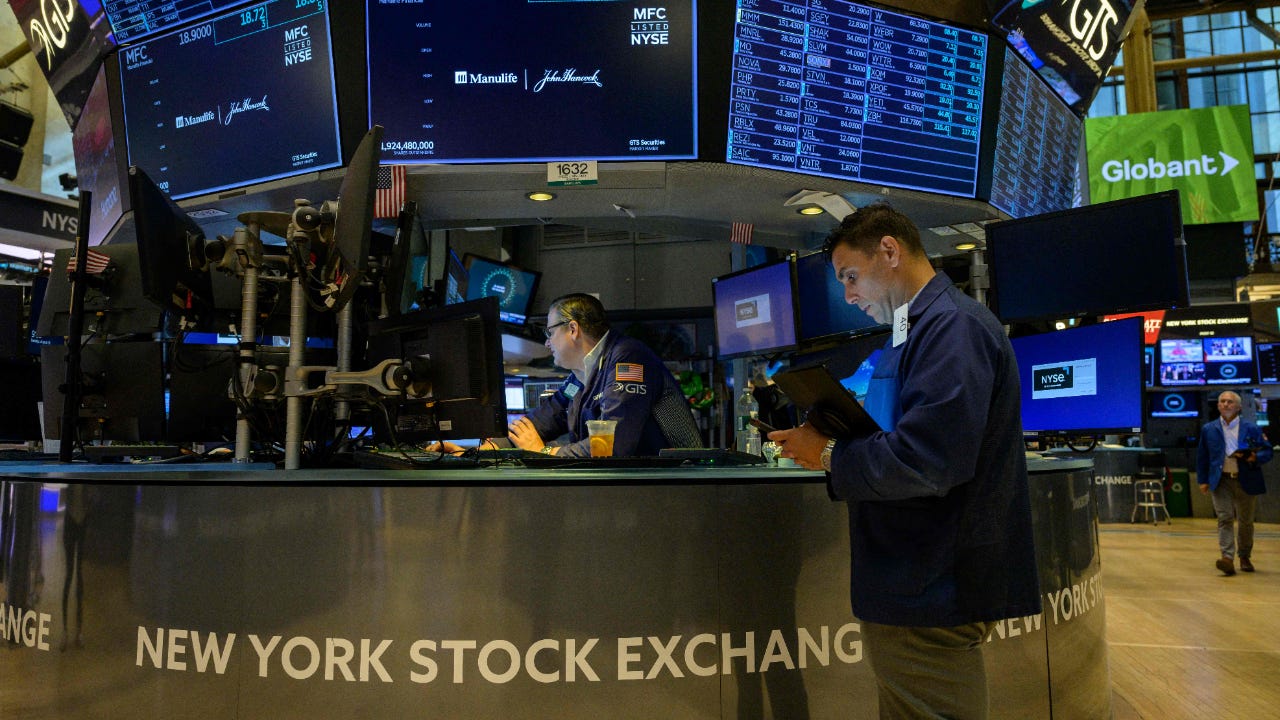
1206,154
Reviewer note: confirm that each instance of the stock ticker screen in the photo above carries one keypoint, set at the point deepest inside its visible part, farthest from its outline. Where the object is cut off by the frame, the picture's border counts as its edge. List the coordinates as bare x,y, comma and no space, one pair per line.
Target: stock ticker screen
1037,145
257,84
848,91
524,80
134,19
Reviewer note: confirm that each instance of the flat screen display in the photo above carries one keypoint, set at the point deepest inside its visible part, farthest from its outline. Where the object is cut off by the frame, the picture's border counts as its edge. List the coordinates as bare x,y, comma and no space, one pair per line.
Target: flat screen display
1115,257
513,287
134,19
1269,363
823,311
1036,154
94,146
1082,380
1175,405
755,309
1207,361
514,80
271,113
857,93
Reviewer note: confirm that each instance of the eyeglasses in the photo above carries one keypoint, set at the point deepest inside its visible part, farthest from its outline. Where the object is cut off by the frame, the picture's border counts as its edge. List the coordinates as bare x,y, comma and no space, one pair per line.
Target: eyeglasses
550,328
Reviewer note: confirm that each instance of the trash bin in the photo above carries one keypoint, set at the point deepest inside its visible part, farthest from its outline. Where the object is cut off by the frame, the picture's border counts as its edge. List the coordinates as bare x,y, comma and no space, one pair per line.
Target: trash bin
1177,496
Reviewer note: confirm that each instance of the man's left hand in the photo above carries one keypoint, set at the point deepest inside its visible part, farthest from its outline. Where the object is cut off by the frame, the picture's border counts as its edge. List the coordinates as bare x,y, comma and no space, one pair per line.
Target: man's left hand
524,435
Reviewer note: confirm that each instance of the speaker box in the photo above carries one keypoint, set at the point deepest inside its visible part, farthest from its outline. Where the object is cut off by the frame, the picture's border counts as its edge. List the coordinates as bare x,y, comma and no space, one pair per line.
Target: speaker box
15,124
10,159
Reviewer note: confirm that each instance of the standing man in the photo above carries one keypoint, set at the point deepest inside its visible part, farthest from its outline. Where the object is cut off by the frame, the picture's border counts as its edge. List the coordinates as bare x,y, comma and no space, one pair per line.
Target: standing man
1228,467
614,378
939,509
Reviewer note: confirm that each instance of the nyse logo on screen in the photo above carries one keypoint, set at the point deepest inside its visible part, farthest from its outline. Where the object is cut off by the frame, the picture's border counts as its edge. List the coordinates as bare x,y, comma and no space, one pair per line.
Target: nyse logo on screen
752,311
649,26
297,45
1057,378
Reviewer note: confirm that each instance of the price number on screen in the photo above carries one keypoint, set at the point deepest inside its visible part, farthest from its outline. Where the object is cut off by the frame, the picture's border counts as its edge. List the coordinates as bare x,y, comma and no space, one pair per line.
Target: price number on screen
254,16
200,32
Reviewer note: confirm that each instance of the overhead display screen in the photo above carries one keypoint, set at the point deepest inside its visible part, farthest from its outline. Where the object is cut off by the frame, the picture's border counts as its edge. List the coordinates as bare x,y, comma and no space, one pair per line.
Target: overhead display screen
267,110
521,81
1037,149
134,19
848,91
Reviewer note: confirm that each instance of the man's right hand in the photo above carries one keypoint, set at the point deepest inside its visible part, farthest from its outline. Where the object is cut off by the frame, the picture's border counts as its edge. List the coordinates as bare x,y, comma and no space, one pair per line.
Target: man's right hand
1204,488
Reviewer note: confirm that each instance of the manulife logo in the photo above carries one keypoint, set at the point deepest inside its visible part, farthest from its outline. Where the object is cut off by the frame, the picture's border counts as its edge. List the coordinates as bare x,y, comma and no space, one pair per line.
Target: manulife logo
1206,154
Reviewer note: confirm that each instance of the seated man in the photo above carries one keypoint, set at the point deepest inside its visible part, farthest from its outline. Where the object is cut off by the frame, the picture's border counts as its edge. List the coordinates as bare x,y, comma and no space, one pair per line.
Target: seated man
614,378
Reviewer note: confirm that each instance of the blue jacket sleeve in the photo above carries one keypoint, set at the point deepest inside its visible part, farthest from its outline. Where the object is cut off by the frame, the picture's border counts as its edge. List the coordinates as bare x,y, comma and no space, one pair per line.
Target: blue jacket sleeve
551,418
1258,440
947,374
1202,457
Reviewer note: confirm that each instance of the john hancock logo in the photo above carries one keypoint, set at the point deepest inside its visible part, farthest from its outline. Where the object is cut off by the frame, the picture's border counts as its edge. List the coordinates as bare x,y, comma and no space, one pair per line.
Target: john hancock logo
240,106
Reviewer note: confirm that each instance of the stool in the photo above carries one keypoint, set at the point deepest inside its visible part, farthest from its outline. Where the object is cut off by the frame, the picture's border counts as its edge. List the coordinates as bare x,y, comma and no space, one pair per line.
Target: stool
1148,496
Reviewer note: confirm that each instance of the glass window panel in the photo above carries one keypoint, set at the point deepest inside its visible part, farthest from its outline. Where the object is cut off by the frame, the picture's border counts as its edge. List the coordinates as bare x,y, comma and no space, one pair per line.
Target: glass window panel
1262,91
1266,133
1197,45
1201,92
1227,42
1195,23
1166,94
1231,89
1219,21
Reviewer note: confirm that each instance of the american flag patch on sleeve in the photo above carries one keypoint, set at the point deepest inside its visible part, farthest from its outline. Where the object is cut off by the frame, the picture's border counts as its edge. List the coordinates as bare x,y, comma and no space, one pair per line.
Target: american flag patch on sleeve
629,372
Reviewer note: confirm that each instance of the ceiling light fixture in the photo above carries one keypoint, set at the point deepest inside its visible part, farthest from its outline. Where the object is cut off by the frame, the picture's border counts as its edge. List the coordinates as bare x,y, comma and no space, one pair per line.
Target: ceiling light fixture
811,210
967,245
832,203
541,196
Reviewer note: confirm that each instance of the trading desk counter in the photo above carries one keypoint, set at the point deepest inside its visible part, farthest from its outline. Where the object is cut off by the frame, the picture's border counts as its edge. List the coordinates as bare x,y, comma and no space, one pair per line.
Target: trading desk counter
184,592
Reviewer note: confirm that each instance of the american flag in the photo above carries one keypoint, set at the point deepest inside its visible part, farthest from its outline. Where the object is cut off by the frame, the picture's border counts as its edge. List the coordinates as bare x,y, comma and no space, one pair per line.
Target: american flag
629,372
741,233
94,263
391,189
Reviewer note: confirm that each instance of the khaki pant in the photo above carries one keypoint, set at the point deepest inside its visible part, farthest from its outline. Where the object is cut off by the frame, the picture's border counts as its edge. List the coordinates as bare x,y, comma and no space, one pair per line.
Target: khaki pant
1232,503
924,672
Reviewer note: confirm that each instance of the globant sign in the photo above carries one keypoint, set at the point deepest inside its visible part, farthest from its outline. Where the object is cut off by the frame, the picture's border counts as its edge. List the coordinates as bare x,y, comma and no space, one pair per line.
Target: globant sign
1206,154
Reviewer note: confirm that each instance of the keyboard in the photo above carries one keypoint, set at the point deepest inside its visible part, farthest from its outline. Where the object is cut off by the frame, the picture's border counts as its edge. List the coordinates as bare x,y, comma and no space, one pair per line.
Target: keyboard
412,460
104,453
711,456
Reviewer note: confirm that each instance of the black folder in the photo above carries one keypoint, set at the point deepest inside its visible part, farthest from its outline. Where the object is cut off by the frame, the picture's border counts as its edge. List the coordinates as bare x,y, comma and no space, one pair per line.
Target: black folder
833,410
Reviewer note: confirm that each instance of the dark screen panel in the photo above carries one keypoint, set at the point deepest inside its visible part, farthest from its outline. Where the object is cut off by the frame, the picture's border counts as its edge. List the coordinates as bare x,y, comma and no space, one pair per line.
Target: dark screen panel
272,112
97,170
1036,154
857,93
512,80
1114,257
823,310
1083,380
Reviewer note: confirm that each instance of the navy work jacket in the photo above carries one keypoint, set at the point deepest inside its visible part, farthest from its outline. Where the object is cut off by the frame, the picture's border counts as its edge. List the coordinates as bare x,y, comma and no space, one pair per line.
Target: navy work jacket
939,507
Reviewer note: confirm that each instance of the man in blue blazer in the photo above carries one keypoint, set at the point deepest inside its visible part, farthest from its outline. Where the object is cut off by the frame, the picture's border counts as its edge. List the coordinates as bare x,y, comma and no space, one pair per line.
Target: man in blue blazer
1228,467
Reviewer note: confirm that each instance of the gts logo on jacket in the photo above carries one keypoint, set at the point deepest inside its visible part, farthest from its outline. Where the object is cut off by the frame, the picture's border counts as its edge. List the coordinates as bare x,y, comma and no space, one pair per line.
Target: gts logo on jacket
630,388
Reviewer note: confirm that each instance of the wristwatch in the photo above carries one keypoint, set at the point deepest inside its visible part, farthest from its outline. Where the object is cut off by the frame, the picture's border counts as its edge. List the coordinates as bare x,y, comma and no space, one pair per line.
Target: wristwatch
826,454
547,450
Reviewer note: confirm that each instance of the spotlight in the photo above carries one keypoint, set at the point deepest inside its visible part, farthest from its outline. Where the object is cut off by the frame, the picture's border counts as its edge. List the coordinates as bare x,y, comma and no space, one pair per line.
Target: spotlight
540,196
811,210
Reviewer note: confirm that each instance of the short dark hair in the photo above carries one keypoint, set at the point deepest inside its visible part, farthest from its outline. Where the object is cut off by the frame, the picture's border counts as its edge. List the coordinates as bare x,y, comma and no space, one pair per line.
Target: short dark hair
583,309
863,228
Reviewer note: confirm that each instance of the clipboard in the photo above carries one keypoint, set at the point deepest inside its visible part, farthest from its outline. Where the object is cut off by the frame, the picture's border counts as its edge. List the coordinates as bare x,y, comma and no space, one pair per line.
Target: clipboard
833,410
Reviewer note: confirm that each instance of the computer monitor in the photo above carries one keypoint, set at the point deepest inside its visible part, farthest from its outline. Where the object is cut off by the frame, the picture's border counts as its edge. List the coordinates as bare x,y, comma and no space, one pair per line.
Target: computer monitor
515,288
824,314
113,300
122,391
454,355
1268,363
455,278
755,309
1082,381
20,378
170,248
1207,361
1175,404
1114,257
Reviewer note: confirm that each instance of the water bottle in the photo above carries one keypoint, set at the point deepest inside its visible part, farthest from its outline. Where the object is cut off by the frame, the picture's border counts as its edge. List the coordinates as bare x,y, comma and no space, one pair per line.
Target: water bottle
748,437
